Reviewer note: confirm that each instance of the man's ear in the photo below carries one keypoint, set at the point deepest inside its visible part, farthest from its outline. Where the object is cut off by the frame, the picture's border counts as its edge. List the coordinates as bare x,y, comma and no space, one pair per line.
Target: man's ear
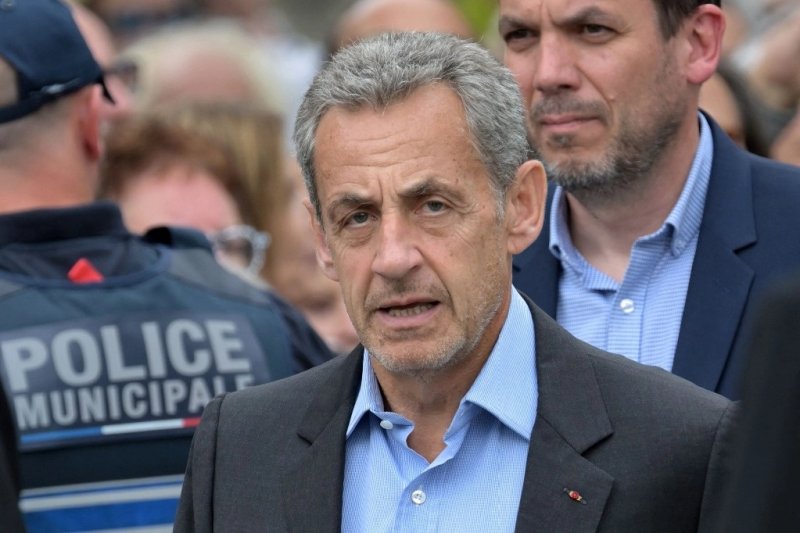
89,122
324,256
703,32
525,206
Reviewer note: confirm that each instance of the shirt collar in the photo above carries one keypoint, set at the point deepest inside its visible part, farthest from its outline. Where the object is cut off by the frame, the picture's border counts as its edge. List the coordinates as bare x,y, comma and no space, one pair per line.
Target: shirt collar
684,219
687,214
506,386
560,240
369,397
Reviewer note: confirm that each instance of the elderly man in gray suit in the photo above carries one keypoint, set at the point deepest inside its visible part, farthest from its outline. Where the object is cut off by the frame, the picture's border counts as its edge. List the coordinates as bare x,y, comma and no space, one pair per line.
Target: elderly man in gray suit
466,408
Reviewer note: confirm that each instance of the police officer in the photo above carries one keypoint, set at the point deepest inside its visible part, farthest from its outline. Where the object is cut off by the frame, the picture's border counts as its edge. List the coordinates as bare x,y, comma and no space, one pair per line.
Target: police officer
110,344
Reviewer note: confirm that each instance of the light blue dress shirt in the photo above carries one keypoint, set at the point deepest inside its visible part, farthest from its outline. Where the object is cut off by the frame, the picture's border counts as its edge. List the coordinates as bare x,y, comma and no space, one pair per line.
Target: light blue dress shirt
639,318
476,481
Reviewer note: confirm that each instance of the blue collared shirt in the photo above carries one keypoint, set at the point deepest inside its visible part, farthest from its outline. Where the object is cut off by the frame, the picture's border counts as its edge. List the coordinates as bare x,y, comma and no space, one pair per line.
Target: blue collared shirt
639,318
476,481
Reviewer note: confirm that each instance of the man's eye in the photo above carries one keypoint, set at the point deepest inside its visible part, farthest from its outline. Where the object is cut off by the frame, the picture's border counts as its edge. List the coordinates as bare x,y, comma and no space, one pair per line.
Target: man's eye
358,218
517,35
434,206
595,29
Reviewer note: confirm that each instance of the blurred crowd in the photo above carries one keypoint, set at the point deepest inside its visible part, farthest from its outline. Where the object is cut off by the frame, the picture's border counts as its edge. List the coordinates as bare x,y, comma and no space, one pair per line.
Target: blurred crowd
756,92
205,94
206,91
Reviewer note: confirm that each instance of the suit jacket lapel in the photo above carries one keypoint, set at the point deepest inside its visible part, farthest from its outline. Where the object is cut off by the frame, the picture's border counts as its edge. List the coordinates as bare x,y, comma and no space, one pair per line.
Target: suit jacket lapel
571,418
313,490
720,282
536,270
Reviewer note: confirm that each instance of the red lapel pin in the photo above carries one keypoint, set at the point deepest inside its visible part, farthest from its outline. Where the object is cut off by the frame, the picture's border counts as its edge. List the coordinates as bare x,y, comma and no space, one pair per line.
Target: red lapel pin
575,496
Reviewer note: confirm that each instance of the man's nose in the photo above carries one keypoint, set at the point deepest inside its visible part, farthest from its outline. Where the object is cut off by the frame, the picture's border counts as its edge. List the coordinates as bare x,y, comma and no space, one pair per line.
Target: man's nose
556,66
397,251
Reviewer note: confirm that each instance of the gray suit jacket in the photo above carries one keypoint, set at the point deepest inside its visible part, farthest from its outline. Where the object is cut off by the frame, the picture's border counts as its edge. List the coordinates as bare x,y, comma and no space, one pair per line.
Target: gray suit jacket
646,449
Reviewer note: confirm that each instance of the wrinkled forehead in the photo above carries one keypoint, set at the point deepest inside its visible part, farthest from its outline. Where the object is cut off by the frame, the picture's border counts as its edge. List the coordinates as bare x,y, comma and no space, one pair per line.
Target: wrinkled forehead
426,131
568,10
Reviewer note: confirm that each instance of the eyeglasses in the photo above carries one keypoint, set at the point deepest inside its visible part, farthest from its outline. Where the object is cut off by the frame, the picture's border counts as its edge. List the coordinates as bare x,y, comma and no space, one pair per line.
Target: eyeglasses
241,247
125,70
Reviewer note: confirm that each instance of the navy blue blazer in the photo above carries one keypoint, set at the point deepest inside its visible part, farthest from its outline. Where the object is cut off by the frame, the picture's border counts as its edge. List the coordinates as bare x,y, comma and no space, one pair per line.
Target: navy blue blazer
749,236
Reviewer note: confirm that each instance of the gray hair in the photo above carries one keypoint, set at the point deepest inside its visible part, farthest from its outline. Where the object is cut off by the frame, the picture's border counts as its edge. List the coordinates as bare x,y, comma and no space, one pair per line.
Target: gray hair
383,70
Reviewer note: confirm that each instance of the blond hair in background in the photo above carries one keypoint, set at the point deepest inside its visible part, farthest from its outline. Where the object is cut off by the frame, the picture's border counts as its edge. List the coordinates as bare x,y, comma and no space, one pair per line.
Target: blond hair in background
242,146
252,138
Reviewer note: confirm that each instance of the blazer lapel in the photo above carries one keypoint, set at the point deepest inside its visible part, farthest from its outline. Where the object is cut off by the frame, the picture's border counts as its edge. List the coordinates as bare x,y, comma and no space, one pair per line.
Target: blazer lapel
720,282
536,271
313,489
571,418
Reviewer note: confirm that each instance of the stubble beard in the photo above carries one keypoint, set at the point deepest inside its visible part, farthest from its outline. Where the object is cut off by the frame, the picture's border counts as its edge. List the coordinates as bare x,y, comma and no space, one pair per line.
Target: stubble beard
446,351
631,156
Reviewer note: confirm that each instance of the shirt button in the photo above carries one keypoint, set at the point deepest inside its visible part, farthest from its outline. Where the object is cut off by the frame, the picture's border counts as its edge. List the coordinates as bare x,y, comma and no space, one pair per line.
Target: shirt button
627,306
385,424
418,497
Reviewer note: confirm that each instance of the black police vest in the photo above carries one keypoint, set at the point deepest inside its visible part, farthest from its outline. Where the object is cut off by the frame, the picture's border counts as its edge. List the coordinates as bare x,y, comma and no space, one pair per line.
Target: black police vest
106,381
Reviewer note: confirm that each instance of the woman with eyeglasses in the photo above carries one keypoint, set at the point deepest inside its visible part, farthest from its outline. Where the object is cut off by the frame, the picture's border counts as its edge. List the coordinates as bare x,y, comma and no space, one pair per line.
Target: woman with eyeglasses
220,168
253,139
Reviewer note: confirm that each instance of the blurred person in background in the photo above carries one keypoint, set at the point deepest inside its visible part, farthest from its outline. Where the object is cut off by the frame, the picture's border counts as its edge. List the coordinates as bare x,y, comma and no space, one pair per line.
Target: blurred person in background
168,168
365,18
299,277
129,20
737,27
112,342
162,175
258,17
717,99
759,70
252,137
770,62
726,97
786,146
203,61
295,58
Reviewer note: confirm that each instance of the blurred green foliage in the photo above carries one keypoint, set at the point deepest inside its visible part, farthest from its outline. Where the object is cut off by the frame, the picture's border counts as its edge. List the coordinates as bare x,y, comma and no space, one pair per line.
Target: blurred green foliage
479,13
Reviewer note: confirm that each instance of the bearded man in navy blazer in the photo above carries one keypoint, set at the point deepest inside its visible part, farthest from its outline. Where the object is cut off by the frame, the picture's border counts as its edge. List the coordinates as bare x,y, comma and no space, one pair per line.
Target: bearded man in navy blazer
660,232
467,408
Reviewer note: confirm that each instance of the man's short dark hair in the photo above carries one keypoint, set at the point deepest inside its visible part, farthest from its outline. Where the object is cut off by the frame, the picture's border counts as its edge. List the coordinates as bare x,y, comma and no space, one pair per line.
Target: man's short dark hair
672,13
